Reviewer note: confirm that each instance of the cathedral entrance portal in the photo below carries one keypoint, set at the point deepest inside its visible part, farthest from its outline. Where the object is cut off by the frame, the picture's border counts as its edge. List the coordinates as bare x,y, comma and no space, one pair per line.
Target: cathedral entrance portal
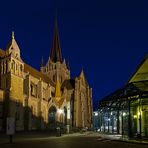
52,118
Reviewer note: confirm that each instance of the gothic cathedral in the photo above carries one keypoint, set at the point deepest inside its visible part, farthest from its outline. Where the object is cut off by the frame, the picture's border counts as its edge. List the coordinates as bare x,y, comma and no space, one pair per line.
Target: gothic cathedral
42,99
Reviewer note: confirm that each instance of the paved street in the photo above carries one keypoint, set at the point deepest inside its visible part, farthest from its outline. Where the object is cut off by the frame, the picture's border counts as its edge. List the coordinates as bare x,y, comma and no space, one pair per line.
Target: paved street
66,141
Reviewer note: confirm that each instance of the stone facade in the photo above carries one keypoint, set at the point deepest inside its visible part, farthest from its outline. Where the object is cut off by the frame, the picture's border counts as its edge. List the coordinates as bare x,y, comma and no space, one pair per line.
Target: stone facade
42,99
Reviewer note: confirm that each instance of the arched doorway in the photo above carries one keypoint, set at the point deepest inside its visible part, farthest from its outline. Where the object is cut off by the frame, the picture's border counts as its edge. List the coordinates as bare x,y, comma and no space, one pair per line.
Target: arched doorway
52,117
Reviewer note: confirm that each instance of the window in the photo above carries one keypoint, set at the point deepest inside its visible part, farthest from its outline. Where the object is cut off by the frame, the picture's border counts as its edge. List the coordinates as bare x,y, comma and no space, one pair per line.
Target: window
16,67
21,68
44,92
33,88
6,66
54,78
3,67
13,66
52,94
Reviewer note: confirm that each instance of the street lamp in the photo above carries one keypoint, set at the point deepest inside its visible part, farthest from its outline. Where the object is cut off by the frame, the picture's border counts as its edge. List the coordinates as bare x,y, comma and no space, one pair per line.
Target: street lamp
96,113
124,114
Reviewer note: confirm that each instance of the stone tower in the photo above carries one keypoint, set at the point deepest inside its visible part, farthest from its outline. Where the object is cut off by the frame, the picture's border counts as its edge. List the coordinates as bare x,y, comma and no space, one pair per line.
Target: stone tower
56,68
12,69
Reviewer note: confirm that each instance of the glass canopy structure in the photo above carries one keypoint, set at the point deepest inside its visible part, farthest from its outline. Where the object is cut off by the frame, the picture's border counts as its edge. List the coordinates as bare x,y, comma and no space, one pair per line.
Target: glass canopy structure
125,111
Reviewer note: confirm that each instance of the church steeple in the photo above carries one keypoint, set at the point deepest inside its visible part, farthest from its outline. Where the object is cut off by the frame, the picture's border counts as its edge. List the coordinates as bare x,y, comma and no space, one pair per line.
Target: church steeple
55,54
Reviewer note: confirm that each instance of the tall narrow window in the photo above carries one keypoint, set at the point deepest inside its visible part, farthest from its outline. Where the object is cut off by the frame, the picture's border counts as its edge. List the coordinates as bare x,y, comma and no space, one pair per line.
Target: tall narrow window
33,88
13,66
6,66
21,68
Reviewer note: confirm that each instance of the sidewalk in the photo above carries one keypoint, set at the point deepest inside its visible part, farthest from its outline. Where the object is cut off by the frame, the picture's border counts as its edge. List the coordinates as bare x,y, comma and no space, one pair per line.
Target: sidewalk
124,139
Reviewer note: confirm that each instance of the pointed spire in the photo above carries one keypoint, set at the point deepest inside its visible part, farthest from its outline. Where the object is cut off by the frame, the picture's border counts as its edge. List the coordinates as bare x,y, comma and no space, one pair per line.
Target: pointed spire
42,62
55,54
12,35
82,73
12,45
68,66
64,62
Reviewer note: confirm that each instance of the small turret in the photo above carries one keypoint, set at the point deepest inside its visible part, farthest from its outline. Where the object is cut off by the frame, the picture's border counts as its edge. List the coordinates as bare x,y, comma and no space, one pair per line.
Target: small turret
13,48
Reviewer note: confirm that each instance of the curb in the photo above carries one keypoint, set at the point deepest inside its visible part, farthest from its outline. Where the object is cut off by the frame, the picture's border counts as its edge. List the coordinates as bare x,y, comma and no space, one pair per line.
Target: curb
132,142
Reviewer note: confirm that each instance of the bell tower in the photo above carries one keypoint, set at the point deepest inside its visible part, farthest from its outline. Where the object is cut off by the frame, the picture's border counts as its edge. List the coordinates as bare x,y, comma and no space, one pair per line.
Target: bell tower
56,68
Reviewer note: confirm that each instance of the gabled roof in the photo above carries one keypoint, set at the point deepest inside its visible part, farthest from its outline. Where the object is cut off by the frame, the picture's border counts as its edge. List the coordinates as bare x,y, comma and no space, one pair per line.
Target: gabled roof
35,73
141,72
13,44
55,54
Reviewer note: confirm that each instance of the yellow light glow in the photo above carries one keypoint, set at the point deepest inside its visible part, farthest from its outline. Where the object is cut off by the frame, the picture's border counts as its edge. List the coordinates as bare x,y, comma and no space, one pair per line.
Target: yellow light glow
139,113
60,111
135,116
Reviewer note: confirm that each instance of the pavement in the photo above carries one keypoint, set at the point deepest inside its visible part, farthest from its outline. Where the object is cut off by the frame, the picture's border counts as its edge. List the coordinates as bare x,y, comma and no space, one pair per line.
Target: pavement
124,139
84,139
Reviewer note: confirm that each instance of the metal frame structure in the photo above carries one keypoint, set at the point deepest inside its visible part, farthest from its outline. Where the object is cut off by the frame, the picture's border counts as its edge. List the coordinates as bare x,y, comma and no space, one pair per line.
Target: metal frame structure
117,111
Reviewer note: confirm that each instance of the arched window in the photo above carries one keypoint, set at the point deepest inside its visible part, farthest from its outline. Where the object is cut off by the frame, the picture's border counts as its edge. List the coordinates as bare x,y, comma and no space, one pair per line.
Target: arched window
3,67
47,69
6,66
52,115
13,66
54,78
16,66
21,68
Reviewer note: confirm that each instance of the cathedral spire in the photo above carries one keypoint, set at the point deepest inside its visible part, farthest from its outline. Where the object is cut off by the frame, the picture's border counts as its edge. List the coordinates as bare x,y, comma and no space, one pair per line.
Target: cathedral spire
12,35
55,54
42,62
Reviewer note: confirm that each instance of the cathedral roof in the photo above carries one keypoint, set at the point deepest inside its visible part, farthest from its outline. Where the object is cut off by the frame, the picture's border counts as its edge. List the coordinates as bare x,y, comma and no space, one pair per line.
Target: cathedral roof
55,54
37,74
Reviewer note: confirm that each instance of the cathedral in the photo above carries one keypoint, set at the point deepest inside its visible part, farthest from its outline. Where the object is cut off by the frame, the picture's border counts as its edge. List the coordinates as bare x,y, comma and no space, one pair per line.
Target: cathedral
42,99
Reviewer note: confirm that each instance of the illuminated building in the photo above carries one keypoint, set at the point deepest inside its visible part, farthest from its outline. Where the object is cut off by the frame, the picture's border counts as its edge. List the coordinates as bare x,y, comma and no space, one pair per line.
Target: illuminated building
42,99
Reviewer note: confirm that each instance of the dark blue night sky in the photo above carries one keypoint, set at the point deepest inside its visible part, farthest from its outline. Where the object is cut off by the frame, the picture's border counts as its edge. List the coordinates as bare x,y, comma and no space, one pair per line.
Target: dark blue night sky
107,38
